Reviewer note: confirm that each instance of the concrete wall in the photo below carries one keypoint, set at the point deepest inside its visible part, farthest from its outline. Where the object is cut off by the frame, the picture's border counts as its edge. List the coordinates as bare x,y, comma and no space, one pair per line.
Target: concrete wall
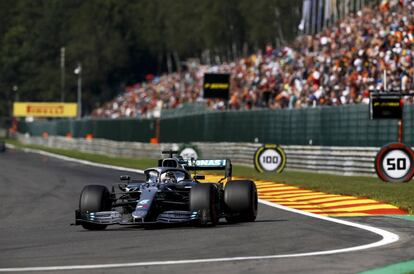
336,160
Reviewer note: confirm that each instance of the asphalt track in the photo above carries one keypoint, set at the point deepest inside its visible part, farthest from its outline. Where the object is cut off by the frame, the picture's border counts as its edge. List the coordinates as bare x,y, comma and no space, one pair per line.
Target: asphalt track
39,195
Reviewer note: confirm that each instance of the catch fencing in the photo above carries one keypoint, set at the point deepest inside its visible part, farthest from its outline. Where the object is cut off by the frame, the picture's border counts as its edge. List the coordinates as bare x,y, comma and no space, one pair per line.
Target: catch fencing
336,160
348,126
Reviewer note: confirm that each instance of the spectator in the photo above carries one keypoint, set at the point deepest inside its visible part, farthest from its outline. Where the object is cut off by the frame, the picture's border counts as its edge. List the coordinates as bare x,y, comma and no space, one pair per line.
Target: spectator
338,66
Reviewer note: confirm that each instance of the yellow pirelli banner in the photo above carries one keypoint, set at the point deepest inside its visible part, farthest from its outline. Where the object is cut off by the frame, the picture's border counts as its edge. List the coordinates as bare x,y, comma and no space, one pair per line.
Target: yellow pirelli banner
44,109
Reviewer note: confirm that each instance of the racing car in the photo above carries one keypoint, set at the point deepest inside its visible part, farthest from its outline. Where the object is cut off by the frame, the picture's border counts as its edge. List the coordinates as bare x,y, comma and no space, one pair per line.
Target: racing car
2,146
170,194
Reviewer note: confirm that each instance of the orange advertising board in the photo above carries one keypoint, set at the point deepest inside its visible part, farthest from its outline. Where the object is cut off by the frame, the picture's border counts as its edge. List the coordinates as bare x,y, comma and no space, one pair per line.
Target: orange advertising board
44,109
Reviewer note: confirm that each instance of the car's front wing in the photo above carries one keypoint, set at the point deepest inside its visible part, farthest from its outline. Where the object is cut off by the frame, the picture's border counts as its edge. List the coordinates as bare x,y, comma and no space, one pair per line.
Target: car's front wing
114,217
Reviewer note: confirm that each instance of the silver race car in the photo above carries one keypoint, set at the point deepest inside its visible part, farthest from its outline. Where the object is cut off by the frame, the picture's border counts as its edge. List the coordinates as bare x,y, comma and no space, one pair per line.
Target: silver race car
170,194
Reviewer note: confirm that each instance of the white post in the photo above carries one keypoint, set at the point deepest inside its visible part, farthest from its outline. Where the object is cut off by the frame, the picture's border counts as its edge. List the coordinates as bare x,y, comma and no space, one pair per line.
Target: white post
62,74
78,71
80,96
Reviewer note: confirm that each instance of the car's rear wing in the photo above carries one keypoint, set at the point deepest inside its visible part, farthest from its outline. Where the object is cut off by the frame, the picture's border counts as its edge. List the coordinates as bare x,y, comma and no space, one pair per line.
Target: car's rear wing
210,164
192,164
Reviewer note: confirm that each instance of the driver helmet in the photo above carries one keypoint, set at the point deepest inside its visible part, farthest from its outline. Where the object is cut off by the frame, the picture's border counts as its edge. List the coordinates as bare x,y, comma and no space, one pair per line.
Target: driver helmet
168,177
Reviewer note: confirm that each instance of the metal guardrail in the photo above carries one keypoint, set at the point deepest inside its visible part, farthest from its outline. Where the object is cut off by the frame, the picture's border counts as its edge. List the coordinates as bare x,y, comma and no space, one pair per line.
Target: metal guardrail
336,160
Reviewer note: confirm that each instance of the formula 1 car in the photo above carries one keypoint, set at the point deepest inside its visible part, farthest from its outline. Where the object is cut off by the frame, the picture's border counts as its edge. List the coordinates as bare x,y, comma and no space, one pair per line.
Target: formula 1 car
170,194
2,146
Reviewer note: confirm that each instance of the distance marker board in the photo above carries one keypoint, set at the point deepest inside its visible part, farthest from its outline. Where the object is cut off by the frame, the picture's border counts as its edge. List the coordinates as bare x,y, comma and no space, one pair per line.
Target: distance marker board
394,163
386,106
270,158
189,151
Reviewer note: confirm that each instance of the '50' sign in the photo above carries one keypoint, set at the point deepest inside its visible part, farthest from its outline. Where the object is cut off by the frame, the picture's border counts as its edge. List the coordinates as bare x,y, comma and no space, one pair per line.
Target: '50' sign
394,163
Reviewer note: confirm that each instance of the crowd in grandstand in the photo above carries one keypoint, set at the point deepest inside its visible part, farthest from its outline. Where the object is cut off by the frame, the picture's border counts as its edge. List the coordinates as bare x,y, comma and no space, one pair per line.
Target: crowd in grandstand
335,67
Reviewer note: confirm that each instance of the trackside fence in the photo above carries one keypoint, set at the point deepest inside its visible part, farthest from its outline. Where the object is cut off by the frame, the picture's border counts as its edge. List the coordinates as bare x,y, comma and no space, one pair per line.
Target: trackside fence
347,126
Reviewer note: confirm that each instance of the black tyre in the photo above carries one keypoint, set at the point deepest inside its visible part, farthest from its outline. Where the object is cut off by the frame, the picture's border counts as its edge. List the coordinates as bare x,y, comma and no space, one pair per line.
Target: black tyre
204,200
94,198
240,198
2,146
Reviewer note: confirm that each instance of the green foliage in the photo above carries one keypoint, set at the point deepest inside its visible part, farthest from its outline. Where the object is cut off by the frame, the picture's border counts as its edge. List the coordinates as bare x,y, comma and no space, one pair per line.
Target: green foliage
96,158
270,20
119,41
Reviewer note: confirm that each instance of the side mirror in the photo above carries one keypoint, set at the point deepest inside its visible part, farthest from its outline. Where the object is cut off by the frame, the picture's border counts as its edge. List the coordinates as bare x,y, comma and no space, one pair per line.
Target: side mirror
199,177
125,177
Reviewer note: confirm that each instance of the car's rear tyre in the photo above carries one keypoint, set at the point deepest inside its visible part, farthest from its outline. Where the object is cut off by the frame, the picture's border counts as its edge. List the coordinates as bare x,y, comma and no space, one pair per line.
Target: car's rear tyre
94,198
204,200
240,198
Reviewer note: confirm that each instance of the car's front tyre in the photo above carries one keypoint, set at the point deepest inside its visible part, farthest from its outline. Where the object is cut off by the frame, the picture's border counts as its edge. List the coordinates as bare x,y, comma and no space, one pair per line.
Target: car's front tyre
2,146
94,198
204,200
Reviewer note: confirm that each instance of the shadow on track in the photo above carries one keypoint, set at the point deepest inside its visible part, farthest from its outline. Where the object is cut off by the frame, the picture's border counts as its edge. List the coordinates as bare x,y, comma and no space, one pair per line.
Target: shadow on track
179,226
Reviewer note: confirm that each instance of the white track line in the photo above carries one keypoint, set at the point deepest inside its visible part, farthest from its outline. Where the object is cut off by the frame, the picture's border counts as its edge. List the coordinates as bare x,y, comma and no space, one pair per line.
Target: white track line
387,237
84,162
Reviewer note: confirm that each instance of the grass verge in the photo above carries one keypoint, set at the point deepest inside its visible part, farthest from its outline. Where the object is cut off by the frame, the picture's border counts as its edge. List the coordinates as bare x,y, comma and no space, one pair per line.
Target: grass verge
398,194
97,158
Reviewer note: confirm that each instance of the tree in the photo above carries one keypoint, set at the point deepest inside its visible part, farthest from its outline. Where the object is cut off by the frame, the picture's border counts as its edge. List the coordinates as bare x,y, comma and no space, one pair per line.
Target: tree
119,41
